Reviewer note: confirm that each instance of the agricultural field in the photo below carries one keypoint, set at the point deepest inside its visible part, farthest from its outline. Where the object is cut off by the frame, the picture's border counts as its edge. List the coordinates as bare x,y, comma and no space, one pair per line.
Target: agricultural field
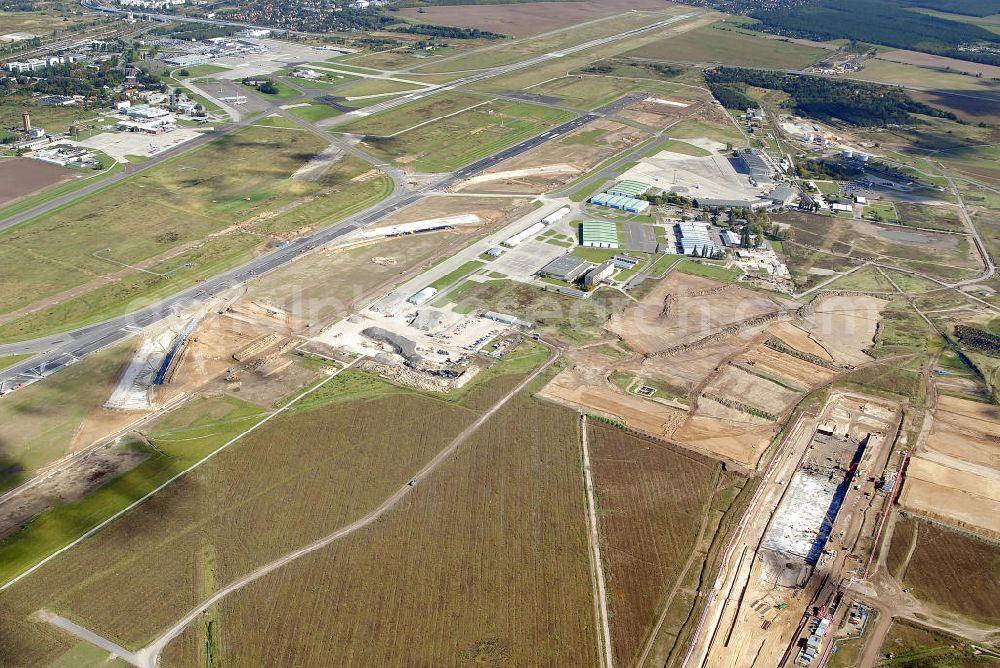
721,44
447,143
527,18
20,178
492,548
938,566
184,201
202,521
657,506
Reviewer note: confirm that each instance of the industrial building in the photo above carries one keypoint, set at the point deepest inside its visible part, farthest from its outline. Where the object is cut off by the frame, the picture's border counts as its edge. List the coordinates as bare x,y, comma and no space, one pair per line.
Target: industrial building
423,296
629,204
496,251
598,274
754,164
629,188
623,262
730,238
566,268
695,238
599,234
523,235
556,215
841,208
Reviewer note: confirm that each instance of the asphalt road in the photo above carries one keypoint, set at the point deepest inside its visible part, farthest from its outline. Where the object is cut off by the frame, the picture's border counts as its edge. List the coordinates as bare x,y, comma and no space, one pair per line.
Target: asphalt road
57,351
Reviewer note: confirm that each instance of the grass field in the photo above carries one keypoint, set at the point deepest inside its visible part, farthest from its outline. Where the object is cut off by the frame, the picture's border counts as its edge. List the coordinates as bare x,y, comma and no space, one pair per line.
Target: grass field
202,70
180,439
710,44
285,92
915,647
939,570
447,143
456,275
52,119
11,360
315,112
715,272
376,87
37,423
652,499
183,200
930,217
725,133
677,146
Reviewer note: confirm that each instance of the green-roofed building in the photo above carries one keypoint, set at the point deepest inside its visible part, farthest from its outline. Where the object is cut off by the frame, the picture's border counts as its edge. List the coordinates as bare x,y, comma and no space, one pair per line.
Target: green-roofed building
598,234
629,188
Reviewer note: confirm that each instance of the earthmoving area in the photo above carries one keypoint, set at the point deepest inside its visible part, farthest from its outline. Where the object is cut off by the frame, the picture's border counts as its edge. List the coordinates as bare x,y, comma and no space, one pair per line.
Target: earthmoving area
736,363
955,475
813,527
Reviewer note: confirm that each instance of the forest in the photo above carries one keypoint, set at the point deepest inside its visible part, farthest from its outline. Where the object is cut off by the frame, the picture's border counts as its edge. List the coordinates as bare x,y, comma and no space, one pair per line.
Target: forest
822,98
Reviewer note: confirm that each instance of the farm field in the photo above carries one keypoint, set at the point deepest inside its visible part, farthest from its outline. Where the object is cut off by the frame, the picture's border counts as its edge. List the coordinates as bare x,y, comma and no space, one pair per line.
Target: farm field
31,177
506,53
527,18
937,569
655,510
715,45
492,548
943,256
447,143
209,513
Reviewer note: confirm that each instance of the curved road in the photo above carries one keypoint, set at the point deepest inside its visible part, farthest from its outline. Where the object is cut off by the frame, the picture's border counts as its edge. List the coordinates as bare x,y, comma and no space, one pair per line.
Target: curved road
57,351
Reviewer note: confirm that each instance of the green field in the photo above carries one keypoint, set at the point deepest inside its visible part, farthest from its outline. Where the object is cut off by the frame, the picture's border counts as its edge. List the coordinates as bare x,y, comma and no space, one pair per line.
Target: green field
11,360
456,275
677,146
376,87
723,133
914,647
202,70
285,92
38,422
182,201
715,45
180,439
448,143
315,112
713,271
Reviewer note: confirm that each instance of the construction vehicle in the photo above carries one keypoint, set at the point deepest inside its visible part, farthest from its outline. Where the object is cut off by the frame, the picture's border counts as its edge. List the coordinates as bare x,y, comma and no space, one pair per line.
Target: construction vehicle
782,606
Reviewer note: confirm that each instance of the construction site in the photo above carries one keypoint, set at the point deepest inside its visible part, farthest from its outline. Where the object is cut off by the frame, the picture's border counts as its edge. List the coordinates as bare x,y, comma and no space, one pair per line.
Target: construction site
812,531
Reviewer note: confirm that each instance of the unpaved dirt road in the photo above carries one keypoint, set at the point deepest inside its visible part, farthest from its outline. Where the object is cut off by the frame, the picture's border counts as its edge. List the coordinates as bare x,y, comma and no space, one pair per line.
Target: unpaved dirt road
148,657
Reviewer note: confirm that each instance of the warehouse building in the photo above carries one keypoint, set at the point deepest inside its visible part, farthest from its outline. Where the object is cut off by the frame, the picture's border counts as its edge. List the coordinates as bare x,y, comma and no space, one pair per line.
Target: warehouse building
598,234
695,238
566,268
523,235
556,215
754,164
629,188
629,204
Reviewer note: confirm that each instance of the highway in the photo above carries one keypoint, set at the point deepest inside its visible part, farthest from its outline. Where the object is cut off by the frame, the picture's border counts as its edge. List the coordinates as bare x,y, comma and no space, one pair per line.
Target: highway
52,353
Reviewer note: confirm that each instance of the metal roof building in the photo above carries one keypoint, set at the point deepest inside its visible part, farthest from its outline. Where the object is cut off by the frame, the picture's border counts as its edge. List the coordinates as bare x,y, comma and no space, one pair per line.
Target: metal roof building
629,188
566,268
629,204
599,234
694,237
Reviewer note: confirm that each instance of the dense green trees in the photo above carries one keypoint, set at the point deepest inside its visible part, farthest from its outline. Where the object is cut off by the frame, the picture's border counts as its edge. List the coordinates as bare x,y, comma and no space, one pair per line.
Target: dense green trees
824,98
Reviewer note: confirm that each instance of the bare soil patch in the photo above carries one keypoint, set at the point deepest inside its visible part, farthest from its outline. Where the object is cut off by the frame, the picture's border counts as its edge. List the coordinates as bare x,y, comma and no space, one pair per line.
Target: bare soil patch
845,325
683,308
528,18
20,177
970,499
941,63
